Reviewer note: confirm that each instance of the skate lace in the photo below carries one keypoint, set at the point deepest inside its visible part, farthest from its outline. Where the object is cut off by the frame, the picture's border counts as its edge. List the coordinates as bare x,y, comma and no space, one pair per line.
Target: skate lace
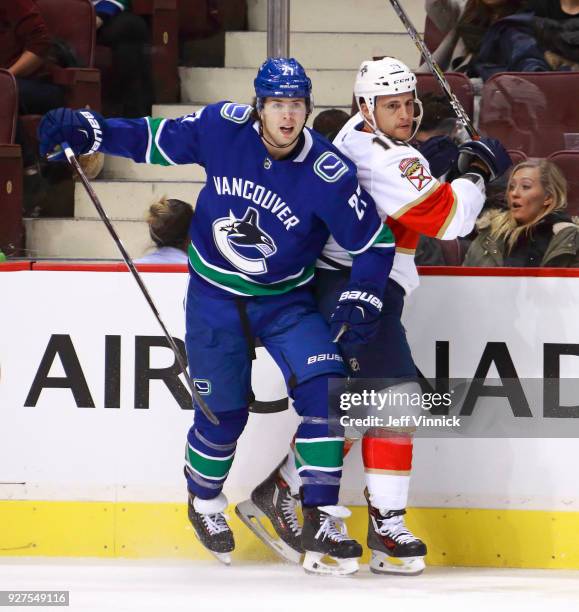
215,523
332,528
288,508
395,529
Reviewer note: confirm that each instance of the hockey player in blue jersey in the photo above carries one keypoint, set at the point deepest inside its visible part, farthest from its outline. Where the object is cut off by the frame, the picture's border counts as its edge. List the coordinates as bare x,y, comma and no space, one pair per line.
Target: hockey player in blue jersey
275,192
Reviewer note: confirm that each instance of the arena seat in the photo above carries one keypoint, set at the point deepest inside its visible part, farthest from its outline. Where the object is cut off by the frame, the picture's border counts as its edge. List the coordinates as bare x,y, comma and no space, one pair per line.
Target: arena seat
459,83
432,35
78,29
82,84
11,228
531,111
163,21
163,18
453,251
517,156
568,161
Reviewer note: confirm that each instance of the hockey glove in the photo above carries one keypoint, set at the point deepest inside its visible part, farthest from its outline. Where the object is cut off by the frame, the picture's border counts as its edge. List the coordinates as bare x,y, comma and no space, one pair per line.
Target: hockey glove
489,151
441,154
81,129
358,312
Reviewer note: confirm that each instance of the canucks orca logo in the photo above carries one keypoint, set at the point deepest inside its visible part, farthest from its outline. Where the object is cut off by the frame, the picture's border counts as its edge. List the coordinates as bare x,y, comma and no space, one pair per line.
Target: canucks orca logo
242,242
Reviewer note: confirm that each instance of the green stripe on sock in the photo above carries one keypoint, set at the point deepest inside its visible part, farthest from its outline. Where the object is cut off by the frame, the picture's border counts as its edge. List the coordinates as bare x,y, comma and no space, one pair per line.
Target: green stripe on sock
324,453
212,468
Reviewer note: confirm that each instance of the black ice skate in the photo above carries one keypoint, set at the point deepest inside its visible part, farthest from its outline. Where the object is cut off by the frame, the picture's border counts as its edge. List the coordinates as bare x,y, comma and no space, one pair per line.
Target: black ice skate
272,499
395,550
210,526
324,536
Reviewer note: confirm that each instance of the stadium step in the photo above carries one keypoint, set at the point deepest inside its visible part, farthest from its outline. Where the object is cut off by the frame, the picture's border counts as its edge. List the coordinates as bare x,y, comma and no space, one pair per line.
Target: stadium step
131,199
340,15
320,49
81,238
206,85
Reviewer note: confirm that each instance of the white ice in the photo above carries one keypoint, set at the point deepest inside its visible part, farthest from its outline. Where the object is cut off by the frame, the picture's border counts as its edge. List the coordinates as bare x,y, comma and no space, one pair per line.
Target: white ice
123,585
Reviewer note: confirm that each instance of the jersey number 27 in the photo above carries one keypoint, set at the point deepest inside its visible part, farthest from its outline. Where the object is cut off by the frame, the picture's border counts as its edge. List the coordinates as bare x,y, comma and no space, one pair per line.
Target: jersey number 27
357,203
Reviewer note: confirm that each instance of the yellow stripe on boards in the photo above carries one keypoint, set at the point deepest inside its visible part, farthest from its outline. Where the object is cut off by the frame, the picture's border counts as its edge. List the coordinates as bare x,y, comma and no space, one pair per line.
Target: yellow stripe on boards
461,537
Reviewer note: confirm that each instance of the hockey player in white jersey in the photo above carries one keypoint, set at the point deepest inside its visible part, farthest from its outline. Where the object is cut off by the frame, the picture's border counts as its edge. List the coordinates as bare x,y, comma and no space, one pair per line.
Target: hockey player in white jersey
412,202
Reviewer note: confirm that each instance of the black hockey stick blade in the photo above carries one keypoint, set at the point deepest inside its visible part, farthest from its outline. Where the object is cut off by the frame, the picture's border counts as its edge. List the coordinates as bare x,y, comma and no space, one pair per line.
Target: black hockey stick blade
73,161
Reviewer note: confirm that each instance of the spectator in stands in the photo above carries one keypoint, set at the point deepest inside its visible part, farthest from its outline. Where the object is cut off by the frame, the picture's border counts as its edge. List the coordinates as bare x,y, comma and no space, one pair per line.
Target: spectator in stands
127,86
329,122
168,221
557,30
484,37
25,44
534,231
558,10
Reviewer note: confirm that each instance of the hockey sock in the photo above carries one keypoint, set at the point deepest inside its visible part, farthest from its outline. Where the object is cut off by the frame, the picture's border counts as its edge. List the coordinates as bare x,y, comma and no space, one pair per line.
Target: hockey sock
210,451
289,471
387,459
319,444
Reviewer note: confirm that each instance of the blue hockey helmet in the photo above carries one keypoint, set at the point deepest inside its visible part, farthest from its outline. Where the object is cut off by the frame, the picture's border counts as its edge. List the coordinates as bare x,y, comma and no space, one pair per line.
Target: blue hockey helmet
282,77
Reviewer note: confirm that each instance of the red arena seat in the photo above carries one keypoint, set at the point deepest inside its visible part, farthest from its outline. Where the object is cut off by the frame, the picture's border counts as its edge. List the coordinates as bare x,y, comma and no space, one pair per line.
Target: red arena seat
11,229
517,156
78,29
459,83
531,111
568,161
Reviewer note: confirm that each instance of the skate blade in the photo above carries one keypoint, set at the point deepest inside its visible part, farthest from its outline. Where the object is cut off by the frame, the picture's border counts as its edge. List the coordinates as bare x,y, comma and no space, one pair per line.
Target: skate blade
381,563
314,563
224,558
252,517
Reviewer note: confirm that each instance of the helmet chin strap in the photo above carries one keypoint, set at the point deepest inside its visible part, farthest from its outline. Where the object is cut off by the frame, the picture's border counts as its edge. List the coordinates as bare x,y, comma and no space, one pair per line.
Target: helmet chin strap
379,133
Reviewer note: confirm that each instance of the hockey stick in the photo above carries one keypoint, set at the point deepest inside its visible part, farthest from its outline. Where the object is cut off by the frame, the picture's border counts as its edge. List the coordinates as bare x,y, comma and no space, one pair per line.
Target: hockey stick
71,158
436,70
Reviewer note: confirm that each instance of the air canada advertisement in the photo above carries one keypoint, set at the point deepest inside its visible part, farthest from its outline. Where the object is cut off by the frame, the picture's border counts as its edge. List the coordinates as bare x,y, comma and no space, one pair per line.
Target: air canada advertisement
92,401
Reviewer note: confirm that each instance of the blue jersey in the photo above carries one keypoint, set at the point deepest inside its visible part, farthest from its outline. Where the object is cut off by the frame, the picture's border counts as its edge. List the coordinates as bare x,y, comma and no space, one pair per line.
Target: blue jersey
259,224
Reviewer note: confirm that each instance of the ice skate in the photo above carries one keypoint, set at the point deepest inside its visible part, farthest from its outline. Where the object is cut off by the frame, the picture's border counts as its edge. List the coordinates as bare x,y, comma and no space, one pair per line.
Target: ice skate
272,499
329,549
395,550
210,526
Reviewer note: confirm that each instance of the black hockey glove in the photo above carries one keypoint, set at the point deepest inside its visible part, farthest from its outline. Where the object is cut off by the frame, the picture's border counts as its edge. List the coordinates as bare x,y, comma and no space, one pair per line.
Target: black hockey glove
490,152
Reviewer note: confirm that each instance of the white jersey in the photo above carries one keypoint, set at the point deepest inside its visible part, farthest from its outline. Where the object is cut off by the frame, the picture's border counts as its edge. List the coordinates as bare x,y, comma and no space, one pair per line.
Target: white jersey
408,198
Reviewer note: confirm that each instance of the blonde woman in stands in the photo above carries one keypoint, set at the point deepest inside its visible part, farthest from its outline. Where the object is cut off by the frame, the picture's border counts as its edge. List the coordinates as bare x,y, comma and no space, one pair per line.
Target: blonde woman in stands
533,231
168,221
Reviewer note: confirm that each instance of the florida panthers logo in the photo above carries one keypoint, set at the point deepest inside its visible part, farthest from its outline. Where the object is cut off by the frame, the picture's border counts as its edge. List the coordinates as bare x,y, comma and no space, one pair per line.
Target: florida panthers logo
242,241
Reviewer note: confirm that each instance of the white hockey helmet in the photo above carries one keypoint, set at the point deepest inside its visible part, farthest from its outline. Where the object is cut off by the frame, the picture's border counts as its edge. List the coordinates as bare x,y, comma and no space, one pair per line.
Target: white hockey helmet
385,77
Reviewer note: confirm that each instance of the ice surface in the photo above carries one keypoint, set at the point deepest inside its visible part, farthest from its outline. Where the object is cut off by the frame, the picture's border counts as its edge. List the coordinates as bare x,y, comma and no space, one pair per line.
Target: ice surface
124,585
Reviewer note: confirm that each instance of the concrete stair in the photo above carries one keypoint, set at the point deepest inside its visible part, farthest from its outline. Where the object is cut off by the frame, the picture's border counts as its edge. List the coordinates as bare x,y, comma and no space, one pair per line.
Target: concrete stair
326,50
82,238
330,37
374,16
